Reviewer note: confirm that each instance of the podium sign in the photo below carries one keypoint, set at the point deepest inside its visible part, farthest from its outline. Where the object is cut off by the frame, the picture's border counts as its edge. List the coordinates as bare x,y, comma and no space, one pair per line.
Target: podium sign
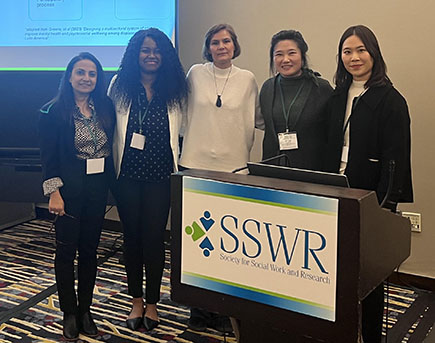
290,260
273,247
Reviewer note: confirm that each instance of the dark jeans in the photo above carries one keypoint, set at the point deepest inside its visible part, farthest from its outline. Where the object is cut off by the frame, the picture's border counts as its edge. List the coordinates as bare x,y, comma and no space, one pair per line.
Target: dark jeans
372,315
143,209
81,234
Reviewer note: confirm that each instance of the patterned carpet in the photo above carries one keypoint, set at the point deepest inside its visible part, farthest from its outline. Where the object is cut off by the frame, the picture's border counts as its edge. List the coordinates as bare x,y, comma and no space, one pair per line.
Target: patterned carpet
29,305
410,313
29,309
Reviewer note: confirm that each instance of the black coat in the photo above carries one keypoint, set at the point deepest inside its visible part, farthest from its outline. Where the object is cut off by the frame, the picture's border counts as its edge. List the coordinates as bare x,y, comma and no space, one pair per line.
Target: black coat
379,133
58,152
310,126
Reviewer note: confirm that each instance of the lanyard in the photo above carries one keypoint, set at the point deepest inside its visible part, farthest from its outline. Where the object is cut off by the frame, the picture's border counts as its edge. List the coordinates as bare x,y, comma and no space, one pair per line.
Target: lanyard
142,117
353,108
88,126
284,112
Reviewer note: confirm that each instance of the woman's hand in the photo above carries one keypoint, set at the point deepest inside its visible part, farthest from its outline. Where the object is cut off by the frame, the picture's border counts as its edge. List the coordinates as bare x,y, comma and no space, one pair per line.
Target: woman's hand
56,204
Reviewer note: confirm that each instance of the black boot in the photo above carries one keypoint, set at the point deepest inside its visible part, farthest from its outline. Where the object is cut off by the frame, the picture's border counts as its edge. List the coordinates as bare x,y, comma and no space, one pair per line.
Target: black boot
87,325
70,328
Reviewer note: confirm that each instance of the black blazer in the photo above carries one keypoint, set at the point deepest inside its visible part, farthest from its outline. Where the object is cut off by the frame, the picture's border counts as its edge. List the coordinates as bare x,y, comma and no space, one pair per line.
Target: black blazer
379,133
58,152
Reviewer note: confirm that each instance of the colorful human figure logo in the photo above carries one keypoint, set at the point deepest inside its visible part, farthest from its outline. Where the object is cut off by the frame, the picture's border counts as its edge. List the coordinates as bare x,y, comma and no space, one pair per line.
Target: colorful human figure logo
197,232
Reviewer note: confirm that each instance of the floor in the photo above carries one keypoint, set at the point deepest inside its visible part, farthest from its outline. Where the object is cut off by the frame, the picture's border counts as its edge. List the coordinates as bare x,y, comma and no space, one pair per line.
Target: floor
29,306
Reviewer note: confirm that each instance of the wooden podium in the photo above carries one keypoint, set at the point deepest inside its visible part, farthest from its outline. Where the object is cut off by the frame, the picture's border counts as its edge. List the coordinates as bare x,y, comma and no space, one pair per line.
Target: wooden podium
371,243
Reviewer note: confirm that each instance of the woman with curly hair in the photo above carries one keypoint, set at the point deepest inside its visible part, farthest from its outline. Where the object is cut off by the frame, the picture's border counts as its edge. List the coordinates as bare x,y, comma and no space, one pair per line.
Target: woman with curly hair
148,91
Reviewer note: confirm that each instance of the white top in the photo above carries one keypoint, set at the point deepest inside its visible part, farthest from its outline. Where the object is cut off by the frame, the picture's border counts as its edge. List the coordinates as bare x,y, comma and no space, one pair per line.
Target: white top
219,138
356,89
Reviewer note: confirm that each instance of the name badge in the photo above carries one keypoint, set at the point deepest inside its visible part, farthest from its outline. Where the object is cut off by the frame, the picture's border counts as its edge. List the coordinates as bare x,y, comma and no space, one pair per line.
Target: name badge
288,140
344,154
95,165
137,141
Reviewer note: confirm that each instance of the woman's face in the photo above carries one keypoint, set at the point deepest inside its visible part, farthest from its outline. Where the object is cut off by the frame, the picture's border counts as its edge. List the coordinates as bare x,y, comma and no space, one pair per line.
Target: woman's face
356,59
150,57
83,77
222,49
287,58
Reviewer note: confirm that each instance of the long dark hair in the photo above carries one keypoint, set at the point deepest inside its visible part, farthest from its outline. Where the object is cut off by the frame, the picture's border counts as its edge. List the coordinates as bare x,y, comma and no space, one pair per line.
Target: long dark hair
378,75
293,35
170,83
64,99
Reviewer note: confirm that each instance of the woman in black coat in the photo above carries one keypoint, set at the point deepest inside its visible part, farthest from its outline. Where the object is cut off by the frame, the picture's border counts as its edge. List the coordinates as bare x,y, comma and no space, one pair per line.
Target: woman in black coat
369,138
75,139
292,104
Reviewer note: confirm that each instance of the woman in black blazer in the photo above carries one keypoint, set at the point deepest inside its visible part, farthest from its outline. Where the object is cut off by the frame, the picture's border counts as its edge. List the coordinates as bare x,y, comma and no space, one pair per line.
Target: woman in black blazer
76,129
369,138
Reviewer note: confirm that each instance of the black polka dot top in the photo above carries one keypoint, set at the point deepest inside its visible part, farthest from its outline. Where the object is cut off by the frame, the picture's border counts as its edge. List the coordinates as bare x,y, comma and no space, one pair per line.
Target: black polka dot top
155,162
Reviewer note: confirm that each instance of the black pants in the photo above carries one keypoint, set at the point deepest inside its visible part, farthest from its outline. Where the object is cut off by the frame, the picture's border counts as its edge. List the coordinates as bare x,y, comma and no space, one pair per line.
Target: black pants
143,209
81,233
372,315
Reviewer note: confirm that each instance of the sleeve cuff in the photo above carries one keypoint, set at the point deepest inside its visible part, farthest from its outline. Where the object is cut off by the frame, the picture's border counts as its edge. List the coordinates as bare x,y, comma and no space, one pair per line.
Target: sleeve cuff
51,185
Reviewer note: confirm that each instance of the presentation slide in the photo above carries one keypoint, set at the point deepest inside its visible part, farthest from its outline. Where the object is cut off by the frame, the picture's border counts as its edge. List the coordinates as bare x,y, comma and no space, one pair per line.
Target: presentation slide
45,34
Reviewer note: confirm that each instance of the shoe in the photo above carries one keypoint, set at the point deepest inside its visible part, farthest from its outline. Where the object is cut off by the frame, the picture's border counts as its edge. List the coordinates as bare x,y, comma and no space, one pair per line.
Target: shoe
150,324
87,325
197,324
221,324
70,328
134,323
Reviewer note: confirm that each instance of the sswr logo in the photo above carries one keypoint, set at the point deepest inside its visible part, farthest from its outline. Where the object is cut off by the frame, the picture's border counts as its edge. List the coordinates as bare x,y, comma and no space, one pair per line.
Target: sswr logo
198,232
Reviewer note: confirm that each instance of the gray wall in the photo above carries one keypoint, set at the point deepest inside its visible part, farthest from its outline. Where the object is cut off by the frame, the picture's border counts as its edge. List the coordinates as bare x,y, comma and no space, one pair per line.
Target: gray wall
405,31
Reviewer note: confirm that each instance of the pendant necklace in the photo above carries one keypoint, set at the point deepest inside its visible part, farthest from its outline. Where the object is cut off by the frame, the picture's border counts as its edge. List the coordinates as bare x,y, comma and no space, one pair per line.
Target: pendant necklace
218,99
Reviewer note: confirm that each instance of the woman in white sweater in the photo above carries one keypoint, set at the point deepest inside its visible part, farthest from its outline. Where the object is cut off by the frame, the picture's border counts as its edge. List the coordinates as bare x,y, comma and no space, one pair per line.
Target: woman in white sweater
220,118
218,123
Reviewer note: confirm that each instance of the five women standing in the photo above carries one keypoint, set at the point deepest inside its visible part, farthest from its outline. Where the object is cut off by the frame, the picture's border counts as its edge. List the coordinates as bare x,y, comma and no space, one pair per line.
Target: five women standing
364,125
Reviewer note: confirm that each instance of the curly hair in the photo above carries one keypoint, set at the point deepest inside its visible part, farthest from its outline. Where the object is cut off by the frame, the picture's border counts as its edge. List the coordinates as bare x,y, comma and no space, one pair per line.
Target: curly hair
293,35
378,76
65,95
170,82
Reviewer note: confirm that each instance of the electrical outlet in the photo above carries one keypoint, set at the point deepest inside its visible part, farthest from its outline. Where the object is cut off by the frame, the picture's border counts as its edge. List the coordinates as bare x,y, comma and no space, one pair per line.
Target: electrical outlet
415,219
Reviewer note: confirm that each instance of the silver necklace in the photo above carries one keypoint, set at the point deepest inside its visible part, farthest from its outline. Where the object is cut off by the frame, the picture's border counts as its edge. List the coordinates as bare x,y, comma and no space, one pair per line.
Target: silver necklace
219,99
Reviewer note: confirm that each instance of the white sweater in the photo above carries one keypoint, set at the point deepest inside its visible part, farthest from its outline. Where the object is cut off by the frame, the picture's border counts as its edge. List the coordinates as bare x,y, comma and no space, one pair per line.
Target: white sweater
219,138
